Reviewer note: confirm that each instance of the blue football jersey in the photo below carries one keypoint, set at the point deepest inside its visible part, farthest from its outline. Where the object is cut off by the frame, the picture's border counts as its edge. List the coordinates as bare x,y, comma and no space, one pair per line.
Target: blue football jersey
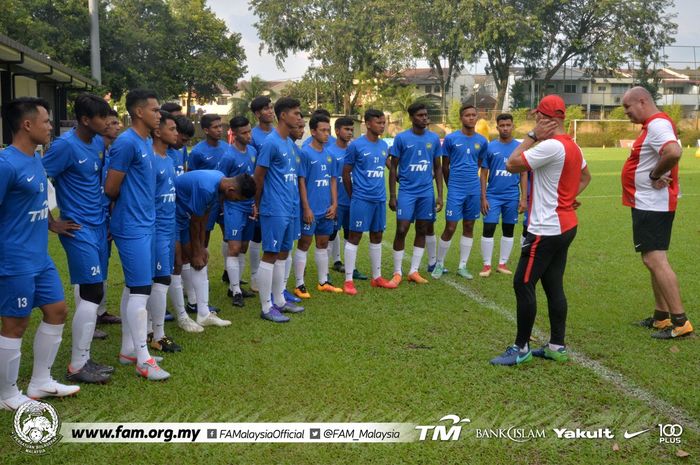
178,159
464,153
24,213
205,157
165,194
134,211
234,163
368,160
502,184
338,154
317,168
258,137
416,154
76,168
280,189
196,192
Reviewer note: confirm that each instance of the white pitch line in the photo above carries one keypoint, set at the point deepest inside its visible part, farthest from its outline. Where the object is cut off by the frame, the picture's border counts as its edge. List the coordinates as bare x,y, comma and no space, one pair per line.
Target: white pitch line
619,196
616,378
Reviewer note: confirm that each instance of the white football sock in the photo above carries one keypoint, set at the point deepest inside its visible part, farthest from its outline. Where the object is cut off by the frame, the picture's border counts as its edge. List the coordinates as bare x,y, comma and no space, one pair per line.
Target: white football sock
265,271
299,266
234,274
375,259
506,248
241,266
431,245
46,342
83,328
334,249
224,249
102,308
200,280
287,269
443,247
127,341
254,249
278,283
10,356
398,261
137,315
350,258
487,249
321,258
188,284
157,302
176,297
416,259
465,248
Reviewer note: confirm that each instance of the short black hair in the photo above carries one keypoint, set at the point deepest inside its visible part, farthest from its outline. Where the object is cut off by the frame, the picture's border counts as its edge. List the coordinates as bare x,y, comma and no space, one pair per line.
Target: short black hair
372,113
138,97
259,102
165,116
503,117
465,106
171,107
246,184
415,107
208,119
238,122
113,112
90,105
344,121
184,125
318,118
17,110
284,104
321,111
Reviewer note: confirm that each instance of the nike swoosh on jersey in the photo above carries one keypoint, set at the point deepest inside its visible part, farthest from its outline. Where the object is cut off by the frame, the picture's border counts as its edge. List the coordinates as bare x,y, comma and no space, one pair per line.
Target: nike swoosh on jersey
162,171
632,435
314,162
143,155
458,145
366,154
209,158
82,161
30,179
239,166
410,146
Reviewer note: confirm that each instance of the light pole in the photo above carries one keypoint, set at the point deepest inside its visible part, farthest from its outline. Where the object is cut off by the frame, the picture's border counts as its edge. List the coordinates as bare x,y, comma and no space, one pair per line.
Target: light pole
95,65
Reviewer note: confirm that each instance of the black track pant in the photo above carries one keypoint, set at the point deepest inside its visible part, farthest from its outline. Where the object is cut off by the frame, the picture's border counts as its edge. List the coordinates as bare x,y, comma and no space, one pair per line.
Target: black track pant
542,258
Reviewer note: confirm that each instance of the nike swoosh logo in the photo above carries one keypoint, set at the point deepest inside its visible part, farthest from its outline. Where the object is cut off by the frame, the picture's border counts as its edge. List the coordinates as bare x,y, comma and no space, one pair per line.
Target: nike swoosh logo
496,153
239,166
458,145
144,155
632,435
30,179
314,162
284,154
162,171
209,158
54,392
82,161
410,146
367,153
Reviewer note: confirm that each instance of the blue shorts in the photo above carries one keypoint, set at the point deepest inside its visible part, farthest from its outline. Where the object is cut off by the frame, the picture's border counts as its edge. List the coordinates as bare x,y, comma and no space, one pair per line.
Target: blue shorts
342,218
136,255
367,216
277,233
461,206
20,294
412,208
297,226
507,210
163,256
321,227
87,254
237,224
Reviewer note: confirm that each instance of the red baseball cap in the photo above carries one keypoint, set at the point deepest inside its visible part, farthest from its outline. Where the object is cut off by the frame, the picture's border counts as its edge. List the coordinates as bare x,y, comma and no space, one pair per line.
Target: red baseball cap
552,106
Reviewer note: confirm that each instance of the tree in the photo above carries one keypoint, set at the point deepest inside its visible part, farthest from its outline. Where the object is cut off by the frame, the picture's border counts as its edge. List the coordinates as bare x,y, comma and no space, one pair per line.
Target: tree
240,106
314,91
444,33
345,37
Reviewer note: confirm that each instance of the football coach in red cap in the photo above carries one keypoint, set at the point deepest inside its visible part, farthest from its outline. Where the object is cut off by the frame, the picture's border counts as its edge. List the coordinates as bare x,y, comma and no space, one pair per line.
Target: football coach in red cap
558,173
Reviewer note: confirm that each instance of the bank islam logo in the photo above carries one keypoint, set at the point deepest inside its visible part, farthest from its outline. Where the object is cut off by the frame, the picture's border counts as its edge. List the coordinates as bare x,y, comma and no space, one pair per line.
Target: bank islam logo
36,427
440,432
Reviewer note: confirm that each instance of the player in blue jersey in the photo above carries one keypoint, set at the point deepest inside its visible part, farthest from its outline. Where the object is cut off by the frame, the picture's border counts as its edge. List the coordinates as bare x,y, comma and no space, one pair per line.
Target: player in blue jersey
331,139
415,162
363,179
28,277
276,181
74,161
318,195
131,184
164,234
185,131
207,153
238,216
197,194
463,151
500,195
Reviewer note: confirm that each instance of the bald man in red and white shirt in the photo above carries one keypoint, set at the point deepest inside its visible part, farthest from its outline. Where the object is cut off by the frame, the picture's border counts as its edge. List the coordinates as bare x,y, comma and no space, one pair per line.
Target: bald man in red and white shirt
650,188
558,173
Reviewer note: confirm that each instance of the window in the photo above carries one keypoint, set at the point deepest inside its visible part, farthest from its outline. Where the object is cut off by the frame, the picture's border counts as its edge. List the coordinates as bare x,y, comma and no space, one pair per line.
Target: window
436,89
569,88
584,89
620,88
673,90
602,88
428,89
221,101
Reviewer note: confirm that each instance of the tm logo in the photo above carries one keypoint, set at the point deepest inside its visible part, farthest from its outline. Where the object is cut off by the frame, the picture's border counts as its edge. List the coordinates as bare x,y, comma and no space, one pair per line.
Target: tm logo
375,173
39,214
420,166
440,432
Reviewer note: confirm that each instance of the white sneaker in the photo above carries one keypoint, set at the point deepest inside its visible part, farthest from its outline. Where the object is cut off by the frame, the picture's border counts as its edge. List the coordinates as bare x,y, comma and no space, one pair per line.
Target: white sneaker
51,388
188,325
151,371
212,320
13,403
131,359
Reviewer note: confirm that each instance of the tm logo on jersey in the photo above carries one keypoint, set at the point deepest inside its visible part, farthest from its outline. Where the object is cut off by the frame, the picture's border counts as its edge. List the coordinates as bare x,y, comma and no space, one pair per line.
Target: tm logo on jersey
375,173
323,182
290,177
421,166
169,198
39,215
503,173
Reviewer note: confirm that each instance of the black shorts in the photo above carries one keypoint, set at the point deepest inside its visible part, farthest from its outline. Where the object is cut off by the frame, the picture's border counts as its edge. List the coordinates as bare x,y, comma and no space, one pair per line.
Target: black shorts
651,230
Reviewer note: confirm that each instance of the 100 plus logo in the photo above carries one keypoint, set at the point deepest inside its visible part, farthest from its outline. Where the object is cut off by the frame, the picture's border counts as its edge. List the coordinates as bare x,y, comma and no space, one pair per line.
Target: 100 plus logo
670,433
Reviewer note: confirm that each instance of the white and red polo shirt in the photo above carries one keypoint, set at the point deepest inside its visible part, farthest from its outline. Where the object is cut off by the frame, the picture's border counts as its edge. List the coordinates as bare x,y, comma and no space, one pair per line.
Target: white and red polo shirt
637,192
555,166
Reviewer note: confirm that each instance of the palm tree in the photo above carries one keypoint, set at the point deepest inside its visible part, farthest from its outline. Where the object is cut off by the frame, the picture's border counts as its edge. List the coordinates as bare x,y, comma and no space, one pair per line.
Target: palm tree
240,106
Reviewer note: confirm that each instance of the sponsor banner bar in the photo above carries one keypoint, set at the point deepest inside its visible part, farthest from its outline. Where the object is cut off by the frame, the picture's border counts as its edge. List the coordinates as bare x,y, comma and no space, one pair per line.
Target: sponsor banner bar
238,432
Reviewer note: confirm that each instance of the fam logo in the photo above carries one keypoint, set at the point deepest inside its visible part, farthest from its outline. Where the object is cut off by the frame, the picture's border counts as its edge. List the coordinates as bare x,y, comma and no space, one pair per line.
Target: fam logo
428,146
36,427
329,159
477,146
440,432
